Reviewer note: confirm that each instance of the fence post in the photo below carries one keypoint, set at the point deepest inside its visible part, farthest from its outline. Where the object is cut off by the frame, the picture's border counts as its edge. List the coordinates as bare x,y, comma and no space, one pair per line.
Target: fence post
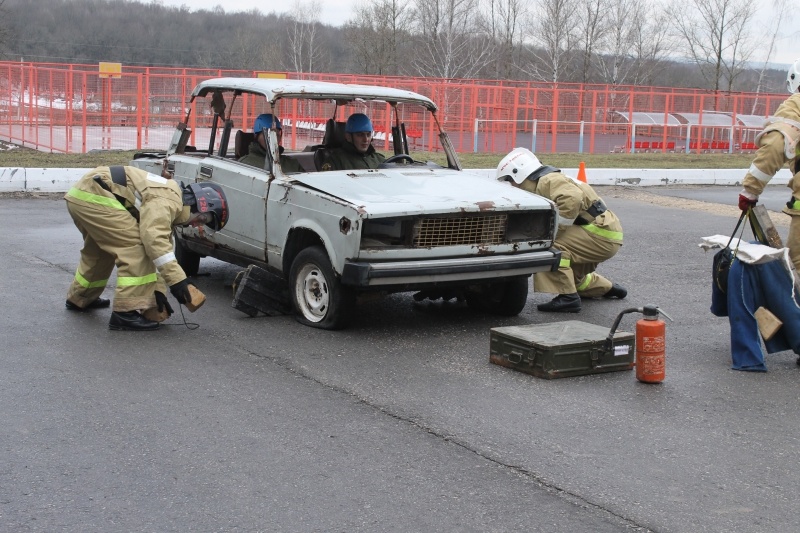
139,105
730,142
475,138
688,137
533,136
580,139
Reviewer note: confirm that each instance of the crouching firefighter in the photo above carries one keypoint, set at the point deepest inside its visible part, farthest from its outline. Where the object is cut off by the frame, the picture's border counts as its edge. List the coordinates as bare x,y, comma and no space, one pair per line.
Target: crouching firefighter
126,216
588,232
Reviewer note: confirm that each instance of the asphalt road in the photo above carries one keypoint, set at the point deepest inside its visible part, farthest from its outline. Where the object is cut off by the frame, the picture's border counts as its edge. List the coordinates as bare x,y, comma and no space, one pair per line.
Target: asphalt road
399,423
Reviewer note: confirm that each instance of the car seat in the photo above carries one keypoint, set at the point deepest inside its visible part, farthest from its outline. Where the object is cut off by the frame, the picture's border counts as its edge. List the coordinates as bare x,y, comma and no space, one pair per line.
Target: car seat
242,142
333,138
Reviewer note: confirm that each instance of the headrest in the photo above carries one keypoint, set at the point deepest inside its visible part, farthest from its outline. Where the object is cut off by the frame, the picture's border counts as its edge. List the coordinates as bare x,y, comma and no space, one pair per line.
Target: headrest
242,143
334,134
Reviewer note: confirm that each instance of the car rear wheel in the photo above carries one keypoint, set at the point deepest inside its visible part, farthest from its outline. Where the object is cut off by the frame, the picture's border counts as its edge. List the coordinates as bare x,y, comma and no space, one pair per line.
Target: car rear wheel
319,299
507,298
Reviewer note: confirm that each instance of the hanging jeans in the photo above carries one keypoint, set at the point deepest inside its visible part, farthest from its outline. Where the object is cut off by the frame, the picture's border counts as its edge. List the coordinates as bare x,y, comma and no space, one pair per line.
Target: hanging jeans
751,286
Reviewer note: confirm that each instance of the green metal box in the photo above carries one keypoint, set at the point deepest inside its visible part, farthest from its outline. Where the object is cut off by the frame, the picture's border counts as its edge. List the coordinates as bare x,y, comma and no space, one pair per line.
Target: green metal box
561,349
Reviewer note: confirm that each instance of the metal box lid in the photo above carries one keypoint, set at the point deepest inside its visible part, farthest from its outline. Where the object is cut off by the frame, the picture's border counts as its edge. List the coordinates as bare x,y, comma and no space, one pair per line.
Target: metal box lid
560,334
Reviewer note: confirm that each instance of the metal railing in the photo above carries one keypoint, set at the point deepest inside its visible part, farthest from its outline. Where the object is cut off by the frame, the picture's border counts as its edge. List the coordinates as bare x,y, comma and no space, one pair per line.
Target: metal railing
77,108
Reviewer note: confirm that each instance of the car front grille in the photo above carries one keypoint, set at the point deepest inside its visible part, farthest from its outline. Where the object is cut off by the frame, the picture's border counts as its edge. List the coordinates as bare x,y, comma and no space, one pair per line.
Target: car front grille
453,231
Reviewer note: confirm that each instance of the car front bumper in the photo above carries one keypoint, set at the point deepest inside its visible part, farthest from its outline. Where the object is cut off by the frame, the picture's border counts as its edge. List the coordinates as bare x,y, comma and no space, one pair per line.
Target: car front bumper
374,274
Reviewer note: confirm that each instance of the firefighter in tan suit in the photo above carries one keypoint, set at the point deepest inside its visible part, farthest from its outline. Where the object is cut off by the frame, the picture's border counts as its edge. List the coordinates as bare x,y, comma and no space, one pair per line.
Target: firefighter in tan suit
588,232
778,144
126,216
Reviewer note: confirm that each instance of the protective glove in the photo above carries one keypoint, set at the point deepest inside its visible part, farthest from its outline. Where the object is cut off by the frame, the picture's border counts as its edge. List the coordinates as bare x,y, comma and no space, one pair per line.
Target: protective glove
162,303
181,291
747,200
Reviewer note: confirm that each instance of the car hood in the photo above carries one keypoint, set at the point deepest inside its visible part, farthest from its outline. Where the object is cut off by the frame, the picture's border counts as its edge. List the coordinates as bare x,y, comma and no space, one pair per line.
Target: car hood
395,192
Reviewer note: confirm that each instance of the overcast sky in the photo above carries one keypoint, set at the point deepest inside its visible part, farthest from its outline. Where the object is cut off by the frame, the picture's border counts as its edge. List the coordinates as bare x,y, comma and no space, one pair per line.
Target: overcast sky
336,12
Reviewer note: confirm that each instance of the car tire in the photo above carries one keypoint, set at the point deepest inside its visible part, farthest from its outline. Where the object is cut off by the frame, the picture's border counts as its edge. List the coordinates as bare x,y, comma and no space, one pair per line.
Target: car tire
188,260
507,298
318,297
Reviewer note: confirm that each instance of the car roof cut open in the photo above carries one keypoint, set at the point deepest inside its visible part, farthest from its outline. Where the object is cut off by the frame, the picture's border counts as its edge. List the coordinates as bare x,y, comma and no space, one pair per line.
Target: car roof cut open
275,89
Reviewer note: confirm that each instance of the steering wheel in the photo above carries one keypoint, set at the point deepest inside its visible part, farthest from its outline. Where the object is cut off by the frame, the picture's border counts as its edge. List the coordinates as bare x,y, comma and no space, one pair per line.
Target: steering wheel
398,157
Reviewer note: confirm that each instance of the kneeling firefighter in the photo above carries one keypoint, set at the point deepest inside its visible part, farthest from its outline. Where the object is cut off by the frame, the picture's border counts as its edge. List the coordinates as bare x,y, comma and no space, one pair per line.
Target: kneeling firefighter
588,232
126,216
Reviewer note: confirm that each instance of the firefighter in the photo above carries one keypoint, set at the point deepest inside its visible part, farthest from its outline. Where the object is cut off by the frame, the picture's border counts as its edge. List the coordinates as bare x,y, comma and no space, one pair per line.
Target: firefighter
257,152
778,144
357,151
126,216
588,233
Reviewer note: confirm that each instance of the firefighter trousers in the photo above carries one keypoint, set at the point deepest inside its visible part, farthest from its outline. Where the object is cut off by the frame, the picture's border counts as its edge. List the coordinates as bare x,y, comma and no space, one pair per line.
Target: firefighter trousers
581,253
793,241
111,237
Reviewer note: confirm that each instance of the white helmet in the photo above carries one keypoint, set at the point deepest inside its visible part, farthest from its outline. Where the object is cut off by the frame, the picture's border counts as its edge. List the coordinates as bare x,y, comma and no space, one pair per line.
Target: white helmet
518,165
793,77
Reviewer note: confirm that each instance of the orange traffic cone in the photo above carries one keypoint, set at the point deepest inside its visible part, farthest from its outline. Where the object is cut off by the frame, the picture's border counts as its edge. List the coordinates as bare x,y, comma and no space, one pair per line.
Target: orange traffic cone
582,172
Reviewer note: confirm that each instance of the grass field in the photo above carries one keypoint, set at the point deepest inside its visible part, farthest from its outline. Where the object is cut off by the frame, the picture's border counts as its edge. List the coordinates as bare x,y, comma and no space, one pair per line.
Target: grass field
27,158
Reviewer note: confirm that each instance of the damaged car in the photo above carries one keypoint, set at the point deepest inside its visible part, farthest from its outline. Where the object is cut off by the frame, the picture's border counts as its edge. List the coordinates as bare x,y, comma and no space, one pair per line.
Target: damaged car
418,222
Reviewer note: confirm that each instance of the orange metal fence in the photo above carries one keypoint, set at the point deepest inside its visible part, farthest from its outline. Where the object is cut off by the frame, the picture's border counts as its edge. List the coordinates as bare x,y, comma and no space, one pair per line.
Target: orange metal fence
75,108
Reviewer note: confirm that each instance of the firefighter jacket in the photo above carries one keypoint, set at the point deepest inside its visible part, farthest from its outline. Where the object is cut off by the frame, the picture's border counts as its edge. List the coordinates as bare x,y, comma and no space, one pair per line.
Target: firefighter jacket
156,202
778,144
256,156
578,204
347,157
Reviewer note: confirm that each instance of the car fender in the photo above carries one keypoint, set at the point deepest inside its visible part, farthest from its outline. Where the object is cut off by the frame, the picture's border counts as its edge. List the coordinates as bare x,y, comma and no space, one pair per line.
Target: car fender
340,246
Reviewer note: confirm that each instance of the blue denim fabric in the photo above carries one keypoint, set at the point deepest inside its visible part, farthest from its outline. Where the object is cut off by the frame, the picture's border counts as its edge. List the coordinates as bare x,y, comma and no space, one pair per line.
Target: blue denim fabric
768,285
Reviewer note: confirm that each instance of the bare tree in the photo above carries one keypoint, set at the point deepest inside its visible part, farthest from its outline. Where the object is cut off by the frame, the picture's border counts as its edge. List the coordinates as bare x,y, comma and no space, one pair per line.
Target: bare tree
377,35
616,61
652,41
715,35
592,29
5,31
552,25
781,11
450,43
503,21
306,52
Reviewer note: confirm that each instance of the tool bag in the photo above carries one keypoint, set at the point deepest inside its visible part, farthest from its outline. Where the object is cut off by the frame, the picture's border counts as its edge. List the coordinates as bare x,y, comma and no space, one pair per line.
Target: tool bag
723,259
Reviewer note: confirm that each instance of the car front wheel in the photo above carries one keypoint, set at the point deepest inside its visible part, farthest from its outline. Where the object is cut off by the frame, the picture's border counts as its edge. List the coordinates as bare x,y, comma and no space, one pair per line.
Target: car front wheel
319,299
507,298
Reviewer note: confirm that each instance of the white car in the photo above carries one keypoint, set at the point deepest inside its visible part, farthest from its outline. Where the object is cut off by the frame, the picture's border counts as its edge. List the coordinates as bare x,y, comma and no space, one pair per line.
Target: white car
409,225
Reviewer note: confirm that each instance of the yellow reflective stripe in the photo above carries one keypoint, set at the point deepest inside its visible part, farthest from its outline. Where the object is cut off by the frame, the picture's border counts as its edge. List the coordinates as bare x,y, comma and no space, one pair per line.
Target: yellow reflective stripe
141,280
608,234
95,198
564,263
587,280
795,205
86,284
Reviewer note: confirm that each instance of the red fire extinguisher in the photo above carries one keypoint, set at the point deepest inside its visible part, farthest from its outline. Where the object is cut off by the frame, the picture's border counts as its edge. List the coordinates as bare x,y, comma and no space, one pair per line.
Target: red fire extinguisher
650,346
650,343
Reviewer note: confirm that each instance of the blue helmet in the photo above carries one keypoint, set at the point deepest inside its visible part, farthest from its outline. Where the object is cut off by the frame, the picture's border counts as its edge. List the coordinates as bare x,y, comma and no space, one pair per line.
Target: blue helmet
264,122
357,123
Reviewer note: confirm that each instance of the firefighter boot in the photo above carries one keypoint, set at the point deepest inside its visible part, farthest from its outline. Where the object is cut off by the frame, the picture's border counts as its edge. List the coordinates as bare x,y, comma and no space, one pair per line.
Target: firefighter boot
563,303
100,303
131,321
616,291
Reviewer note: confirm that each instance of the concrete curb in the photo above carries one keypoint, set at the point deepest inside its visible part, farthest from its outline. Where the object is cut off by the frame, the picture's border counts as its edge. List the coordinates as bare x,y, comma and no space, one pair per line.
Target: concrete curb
15,179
